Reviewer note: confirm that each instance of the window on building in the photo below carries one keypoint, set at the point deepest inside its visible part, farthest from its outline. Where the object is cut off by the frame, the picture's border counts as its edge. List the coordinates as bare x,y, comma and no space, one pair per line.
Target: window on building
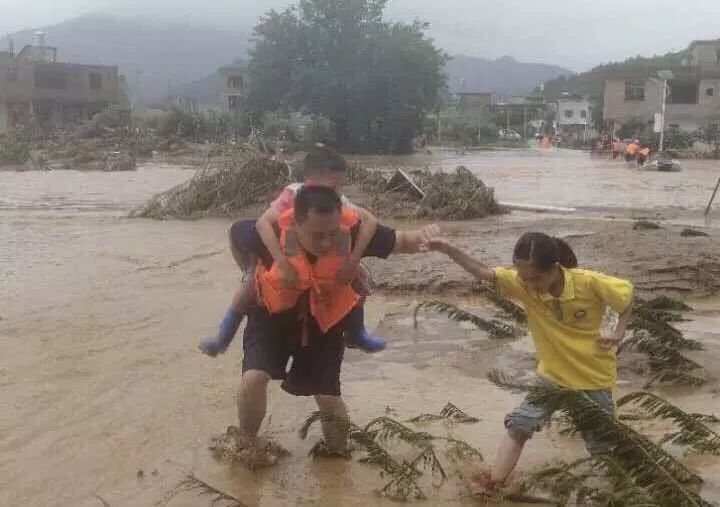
683,92
12,74
234,102
635,91
95,81
568,113
50,79
583,114
710,92
235,82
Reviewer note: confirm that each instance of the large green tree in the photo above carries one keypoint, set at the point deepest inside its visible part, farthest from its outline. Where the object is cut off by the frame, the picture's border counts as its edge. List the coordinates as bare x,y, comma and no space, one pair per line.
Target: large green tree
374,80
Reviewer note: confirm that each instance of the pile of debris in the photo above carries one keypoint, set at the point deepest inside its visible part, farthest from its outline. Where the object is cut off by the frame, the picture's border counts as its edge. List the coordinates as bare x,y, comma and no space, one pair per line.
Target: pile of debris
223,187
423,194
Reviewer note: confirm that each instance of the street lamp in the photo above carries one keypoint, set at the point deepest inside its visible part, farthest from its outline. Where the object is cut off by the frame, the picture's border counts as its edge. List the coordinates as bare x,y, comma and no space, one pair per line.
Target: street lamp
665,75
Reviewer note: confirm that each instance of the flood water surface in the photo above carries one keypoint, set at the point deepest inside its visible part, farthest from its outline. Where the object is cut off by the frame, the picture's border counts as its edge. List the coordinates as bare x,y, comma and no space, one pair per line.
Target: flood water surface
106,398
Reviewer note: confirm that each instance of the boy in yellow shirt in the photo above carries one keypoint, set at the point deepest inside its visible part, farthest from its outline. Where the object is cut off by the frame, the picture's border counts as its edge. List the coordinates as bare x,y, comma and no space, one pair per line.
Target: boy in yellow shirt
565,307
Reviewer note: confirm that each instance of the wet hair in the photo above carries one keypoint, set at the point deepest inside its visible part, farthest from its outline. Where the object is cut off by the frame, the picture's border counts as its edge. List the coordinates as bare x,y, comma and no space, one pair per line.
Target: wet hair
544,251
322,159
317,199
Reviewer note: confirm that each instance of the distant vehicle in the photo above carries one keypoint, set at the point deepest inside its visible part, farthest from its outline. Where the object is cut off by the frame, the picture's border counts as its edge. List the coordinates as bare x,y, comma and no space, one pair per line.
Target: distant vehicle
509,134
663,162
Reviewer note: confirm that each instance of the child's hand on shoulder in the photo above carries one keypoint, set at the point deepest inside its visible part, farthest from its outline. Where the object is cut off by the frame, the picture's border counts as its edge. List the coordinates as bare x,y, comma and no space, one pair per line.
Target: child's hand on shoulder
348,271
288,274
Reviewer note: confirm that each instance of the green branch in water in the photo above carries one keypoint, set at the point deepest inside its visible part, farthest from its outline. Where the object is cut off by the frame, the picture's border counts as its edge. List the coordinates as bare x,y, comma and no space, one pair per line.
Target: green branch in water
512,310
693,431
217,497
665,362
449,413
403,475
495,328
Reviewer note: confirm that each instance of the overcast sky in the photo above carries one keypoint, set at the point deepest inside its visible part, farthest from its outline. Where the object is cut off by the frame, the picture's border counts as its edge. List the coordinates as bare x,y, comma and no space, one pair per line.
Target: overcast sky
577,34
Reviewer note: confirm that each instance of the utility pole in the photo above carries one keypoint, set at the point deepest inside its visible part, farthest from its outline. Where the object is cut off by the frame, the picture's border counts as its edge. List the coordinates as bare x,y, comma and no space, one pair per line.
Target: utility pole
662,116
665,75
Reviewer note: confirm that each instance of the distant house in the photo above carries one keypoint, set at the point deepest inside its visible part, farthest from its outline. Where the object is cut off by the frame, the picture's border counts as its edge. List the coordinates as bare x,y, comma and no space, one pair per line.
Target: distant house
574,117
523,112
478,103
33,84
693,100
235,86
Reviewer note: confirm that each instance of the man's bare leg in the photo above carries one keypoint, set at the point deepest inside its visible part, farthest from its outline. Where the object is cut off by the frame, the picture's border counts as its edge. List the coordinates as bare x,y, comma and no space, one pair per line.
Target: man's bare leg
252,404
335,432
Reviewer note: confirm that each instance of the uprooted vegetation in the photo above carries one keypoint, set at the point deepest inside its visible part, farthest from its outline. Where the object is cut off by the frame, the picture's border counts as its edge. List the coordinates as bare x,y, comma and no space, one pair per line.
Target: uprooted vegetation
457,195
240,176
224,187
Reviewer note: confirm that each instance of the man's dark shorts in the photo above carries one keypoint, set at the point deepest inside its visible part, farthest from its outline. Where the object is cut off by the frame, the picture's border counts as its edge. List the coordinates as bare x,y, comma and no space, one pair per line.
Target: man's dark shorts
269,344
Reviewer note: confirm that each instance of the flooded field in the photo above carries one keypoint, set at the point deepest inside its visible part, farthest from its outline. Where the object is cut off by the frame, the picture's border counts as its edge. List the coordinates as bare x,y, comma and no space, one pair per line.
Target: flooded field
105,397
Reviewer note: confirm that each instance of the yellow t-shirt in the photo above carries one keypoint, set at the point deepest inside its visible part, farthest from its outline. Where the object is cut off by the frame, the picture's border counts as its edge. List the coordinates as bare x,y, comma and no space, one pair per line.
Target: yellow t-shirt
565,330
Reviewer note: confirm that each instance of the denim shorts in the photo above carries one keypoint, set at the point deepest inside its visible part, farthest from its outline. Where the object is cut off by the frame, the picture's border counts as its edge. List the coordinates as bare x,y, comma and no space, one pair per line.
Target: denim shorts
526,419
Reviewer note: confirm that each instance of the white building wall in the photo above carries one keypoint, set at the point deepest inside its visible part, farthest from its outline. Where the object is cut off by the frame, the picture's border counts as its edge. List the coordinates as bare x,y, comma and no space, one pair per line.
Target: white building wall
570,112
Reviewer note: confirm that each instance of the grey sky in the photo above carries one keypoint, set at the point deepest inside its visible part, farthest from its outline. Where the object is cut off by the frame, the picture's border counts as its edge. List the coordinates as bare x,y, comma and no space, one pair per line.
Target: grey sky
577,34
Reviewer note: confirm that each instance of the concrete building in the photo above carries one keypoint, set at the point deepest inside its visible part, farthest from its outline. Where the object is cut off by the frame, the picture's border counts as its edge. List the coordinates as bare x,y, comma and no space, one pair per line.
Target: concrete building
235,86
574,117
693,100
520,112
34,85
475,103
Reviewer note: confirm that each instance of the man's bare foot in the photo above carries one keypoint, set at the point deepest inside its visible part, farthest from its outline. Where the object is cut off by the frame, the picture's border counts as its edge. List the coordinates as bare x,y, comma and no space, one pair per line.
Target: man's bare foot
253,453
322,450
256,457
482,484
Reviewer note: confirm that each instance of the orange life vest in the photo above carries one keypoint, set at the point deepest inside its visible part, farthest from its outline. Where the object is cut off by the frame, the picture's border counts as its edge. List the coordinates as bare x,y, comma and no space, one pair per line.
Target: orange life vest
329,301
645,152
632,149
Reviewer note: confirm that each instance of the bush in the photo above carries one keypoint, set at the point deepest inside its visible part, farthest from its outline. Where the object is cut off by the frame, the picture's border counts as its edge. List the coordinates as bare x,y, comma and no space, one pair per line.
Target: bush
488,133
14,149
460,130
113,117
200,126
298,129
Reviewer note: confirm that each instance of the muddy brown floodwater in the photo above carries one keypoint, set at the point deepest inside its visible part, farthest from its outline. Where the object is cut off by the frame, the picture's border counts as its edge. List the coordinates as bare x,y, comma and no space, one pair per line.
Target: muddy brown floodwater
105,398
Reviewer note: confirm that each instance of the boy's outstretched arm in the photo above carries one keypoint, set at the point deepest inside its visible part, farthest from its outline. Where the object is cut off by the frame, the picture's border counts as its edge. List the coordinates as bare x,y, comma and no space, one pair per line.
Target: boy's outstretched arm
264,226
464,260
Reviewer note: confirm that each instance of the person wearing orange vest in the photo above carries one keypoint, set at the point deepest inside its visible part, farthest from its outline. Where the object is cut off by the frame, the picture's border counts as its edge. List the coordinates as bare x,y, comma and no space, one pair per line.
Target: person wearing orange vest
643,155
632,150
305,320
325,167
